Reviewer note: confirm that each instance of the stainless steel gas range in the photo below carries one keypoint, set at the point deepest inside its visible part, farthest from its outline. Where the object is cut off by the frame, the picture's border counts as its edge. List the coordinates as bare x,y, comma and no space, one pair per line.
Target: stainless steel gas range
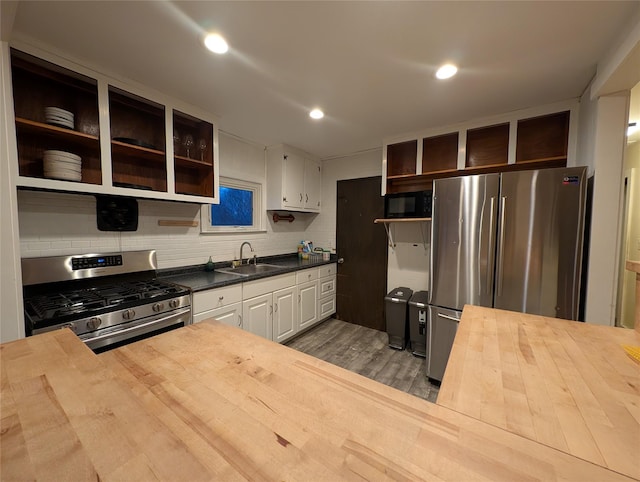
108,300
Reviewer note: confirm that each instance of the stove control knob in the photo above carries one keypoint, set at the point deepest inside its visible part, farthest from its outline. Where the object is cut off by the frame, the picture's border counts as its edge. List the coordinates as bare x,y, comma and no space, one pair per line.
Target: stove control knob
158,307
128,314
94,323
174,303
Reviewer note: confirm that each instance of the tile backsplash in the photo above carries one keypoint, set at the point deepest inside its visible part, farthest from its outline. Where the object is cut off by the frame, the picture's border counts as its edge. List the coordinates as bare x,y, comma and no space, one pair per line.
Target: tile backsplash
54,224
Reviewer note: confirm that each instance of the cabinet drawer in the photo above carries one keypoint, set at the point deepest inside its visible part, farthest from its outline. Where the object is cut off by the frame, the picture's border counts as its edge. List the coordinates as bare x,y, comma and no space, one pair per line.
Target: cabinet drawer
251,289
306,275
326,307
216,298
327,287
327,270
229,315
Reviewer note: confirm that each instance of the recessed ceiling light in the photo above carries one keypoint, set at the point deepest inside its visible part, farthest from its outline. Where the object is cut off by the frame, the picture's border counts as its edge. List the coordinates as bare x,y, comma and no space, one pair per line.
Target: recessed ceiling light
216,43
446,71
316,114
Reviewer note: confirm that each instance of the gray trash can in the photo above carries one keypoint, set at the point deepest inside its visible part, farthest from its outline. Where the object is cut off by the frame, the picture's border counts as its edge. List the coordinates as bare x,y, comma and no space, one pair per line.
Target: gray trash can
396,316
418,313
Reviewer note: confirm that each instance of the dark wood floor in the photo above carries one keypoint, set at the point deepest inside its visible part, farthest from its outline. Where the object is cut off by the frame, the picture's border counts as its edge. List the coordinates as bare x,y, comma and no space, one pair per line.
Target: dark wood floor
365,351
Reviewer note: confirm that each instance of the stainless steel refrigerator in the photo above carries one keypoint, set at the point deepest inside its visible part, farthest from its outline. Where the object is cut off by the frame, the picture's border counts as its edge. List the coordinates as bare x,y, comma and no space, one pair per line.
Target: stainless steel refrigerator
511,241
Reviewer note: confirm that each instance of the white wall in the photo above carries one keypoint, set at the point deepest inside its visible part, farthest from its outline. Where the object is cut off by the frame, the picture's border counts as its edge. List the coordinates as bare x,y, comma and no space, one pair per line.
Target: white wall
11,317
409,261
322,229
631,241
588,115
608,144
59,224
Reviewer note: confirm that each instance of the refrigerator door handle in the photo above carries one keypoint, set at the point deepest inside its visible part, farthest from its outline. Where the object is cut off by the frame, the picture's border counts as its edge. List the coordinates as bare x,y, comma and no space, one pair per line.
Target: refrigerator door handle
503,205
447,317
490,245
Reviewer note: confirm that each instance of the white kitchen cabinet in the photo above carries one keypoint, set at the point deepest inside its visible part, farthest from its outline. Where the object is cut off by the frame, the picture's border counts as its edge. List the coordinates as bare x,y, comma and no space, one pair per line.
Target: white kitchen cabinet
327,291
293,180
123,133
223,304
260,299
216,298
285,314
312,185
229,315
308,304
257,315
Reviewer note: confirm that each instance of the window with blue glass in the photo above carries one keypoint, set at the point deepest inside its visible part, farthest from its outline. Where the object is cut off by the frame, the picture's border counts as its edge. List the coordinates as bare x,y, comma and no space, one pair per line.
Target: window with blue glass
235,208
239,208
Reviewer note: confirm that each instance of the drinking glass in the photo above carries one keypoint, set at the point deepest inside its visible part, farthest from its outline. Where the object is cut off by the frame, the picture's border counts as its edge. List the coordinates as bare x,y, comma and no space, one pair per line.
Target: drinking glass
176,142
202,145
188,144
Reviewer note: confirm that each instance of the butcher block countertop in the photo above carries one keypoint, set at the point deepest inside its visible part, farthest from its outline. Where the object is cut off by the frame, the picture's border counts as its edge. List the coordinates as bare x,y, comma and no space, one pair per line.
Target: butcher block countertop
565,384
210,401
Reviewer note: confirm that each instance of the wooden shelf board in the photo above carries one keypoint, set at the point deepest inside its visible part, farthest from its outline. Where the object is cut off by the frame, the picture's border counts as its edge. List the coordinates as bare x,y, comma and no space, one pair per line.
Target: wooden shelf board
485,166
138,151
48,129
194,162
443,171
400,220
532,161
423,181
401,176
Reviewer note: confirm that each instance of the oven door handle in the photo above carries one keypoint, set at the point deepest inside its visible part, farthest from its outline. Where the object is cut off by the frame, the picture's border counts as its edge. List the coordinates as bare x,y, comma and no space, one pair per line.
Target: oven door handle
136,327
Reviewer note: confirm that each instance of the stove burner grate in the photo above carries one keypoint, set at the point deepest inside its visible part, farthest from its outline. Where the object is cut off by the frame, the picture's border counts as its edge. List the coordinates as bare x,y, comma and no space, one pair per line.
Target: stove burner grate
45,307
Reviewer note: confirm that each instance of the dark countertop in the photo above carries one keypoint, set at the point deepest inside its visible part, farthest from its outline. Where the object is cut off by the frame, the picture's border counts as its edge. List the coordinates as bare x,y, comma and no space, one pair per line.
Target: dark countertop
196,278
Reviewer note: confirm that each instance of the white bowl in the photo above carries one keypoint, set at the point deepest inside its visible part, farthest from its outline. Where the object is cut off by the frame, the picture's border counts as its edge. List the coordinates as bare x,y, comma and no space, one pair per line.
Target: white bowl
62,154
52,165
58,111
68,124
64,175
64,160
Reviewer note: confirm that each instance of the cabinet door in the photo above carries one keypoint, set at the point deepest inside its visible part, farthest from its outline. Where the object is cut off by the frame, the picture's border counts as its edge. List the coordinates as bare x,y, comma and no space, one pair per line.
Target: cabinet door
326,307
285,314
308,303
312,185
257,315
293,181
229,315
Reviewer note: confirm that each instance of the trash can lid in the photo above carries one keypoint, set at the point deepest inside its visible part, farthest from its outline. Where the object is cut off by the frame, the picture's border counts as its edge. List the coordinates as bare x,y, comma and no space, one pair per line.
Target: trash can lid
400,294
419,299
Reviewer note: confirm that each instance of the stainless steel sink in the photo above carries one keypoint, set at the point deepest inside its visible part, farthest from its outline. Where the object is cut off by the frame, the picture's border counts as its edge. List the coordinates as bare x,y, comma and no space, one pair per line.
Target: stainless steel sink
250,269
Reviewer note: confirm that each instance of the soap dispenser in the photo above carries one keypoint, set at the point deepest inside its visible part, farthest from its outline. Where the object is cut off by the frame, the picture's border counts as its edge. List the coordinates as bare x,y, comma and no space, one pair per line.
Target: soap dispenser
209,265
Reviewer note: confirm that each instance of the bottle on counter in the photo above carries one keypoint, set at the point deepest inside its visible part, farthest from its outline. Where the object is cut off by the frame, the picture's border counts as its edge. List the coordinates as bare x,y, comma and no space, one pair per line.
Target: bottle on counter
209,266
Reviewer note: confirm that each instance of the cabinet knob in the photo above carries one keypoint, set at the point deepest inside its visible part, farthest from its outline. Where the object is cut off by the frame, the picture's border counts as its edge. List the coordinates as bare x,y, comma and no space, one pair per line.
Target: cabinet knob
284,199
220,298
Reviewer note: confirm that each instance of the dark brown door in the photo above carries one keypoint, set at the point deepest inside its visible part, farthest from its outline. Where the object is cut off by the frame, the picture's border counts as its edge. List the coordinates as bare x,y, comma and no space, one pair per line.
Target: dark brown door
362,277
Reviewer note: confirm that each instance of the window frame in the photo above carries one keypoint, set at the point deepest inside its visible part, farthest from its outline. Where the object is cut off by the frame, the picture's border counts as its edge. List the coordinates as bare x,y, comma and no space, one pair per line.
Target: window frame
258,217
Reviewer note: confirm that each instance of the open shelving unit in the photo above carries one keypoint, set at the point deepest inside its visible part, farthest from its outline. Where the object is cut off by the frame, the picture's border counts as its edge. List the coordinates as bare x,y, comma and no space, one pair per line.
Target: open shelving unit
517,141
38,84
194,172
120,132
387,222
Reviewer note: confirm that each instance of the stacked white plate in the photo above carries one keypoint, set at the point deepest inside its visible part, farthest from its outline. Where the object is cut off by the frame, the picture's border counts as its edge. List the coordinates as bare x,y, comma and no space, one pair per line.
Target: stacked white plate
59,117
62,165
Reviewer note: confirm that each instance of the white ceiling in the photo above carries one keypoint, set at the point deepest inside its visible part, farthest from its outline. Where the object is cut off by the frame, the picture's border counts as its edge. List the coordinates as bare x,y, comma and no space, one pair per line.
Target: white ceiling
369,65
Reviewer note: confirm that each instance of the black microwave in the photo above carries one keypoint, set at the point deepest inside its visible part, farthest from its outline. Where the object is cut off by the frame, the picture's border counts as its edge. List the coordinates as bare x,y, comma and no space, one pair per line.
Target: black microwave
408,205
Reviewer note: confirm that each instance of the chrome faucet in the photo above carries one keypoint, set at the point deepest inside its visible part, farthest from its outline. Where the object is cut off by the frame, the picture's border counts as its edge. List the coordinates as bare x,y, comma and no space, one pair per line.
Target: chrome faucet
242,247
